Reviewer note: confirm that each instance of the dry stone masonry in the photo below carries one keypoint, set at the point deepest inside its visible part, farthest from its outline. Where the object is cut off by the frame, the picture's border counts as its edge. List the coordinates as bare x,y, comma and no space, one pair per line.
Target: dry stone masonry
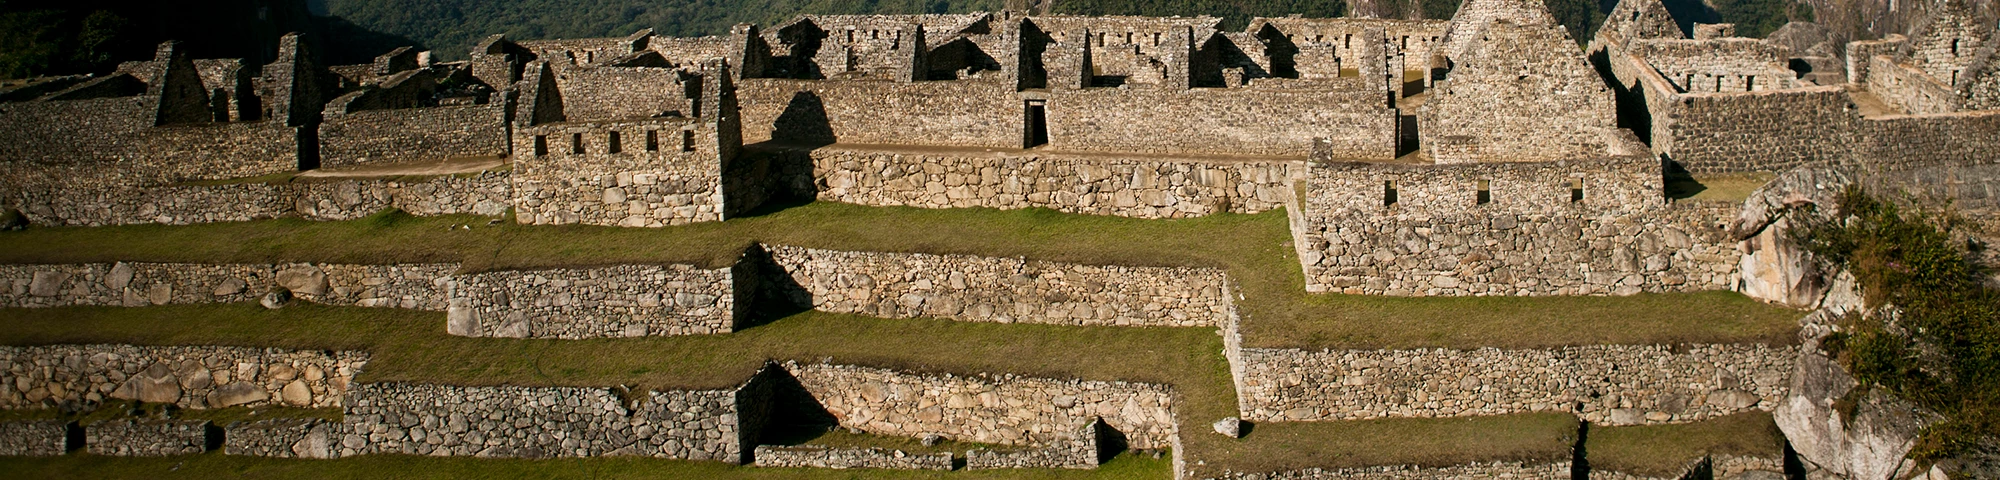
811,456
147,438
1007,410
1606,384
543,422
621,301
1005,290
191,377
281,438
34,438
1511,470
132,284
1087,184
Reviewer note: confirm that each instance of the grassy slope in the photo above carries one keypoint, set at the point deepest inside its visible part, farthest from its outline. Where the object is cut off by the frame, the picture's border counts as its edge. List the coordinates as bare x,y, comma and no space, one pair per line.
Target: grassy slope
1253,248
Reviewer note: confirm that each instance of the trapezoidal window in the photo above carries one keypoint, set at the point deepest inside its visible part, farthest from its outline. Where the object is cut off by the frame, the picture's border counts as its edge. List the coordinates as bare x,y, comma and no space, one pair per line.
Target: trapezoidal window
1388,193
576,144
687,140
1575,189
611,143
541,145
652,140
1485,194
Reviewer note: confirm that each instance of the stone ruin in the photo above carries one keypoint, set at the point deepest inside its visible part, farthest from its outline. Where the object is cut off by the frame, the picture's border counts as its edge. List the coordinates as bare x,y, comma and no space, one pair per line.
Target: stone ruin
1480,155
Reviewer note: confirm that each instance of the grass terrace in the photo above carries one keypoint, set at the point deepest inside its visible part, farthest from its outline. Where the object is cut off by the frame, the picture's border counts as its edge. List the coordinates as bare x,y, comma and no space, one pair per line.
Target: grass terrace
1254,249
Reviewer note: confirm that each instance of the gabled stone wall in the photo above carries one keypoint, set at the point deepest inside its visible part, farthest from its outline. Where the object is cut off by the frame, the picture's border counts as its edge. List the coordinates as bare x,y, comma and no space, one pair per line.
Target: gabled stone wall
1520,92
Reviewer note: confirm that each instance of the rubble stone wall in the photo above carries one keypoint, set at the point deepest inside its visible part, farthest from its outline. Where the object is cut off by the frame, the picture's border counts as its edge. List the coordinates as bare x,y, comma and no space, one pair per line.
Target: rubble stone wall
1005,409
1226,121
1005,290
1530,238
34,438
146,438
1094,185
658,172
618,301
1510,470
481,194
412,135
112,141
1606,384
134,284
966,113
841,458
1908,88
279,438
541,422
191,377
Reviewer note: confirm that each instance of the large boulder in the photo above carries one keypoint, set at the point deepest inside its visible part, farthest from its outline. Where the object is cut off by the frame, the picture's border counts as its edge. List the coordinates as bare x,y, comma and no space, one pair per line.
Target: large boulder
1871,443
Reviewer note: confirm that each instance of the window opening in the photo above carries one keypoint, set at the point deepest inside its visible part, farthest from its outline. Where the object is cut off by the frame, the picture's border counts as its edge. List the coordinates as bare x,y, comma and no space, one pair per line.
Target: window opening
1388,192
687,140
652,140
1575,190
1485,195
611,144
541,145
576,144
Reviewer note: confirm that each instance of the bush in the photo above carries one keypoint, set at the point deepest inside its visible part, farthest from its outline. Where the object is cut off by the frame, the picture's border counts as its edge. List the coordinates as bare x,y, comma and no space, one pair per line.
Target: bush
1941,349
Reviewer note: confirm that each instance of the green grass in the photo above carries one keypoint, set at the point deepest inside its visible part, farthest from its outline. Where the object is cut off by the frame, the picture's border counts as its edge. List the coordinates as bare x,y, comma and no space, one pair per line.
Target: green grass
1730,188
1529,437
1665,450
1254,249
215,465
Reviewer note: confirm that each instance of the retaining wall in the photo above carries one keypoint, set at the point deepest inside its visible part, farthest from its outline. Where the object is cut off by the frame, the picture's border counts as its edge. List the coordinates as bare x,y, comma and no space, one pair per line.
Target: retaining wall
843,458
1005,409
281,438
1005,290
131,284
545,422
1606,384
412,134
1086,184
34,438
482,194
191,377
618,301
146,438
1509,470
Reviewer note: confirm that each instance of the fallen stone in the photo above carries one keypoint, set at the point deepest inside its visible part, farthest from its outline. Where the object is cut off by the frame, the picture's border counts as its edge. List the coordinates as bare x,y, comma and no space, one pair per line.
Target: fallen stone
278,298
1231,427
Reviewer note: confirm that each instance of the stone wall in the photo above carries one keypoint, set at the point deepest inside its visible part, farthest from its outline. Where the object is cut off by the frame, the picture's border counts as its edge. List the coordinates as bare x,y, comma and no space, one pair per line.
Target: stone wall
1003,409
134,284
191,377
633,173
1086,184
345,199
34,438
146,438
1908,88
1005,290
280,438
1717,65
486,193
1767,130
620,93
112,141
1902,141
1606,384
968,113
1542,244
618,301
412,135
1080,450
1510,470
542,422
1224,121
809,456
1519,93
